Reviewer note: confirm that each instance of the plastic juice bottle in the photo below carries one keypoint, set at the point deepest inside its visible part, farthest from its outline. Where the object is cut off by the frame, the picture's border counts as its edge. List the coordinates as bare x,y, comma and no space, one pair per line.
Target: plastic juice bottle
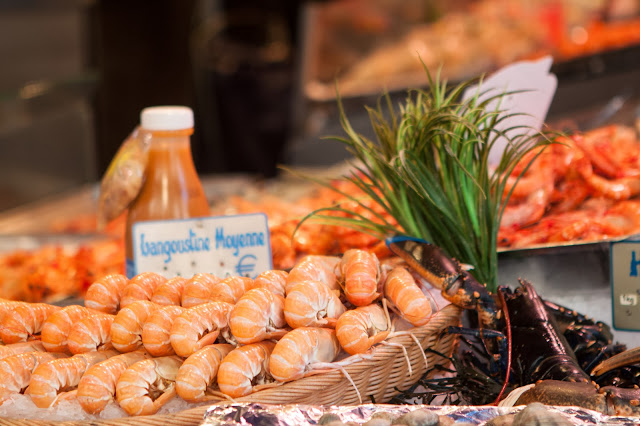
172,188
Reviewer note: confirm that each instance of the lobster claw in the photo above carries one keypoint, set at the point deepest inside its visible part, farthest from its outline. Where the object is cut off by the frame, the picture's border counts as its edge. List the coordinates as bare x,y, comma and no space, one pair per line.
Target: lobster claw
429,261
445,273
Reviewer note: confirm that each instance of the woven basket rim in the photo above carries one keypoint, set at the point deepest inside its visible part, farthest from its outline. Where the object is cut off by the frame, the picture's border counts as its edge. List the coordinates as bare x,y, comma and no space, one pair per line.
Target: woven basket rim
383,355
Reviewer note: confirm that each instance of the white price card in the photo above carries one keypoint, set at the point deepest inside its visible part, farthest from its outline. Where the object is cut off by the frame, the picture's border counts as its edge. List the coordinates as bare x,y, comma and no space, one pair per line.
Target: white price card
625,284
219,245
535,87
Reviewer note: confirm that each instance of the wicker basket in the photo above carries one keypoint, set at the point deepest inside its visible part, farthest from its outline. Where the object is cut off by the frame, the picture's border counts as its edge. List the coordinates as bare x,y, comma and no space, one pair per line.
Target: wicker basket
377,379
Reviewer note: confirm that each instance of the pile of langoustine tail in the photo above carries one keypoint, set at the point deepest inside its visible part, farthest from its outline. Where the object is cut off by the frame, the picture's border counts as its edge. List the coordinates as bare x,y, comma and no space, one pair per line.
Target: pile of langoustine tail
144,341
583,188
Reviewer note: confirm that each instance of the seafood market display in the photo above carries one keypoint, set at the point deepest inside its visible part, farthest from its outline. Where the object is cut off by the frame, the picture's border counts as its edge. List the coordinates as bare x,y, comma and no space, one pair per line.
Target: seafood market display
583,188
577,190
242,336
369,46
361,266
147,354
536,350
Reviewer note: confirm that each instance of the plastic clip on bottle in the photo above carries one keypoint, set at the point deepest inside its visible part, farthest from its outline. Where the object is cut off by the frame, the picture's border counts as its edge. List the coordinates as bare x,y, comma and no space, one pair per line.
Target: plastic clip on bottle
172,189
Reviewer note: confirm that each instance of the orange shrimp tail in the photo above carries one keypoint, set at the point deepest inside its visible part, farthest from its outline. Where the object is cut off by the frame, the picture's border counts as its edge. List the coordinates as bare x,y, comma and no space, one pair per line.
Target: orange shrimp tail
105,293
240,367
141,287
404,293
197,290
170,292
360,271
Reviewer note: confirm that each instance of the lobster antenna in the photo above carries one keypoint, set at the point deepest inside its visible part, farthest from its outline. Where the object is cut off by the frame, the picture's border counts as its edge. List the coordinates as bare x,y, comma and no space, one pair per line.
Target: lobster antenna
508,326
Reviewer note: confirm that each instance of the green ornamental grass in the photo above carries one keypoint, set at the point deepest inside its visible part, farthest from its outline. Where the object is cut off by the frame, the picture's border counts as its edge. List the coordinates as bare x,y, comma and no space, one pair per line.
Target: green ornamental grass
428,168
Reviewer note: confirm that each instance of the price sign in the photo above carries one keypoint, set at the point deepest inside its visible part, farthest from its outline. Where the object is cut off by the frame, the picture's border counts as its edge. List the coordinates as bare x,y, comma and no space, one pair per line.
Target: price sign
625,284
535,87
220,245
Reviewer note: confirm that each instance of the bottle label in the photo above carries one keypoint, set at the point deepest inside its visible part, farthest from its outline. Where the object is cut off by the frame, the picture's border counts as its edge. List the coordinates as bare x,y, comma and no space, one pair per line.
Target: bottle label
219,245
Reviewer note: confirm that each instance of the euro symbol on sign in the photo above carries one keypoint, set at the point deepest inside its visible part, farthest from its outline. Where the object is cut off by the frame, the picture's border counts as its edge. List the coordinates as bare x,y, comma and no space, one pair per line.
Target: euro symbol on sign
246,264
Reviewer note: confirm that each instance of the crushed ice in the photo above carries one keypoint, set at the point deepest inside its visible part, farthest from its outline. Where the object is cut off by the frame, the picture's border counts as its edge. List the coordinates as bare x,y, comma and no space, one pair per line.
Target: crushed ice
21,406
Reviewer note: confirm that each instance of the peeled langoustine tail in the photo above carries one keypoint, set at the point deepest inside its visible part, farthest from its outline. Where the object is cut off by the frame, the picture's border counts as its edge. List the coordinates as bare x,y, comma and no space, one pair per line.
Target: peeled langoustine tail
245,368
91,333
105,293
56,329
16,370
147,385
230,289
97,387
8,305
359,329
312,304
404,294
52,379
21,347
360,272
24,321
141,287
445,273
258,315
156,331
169,292
126,329
274,280
314,267
199,326
198,374
197,290
295,354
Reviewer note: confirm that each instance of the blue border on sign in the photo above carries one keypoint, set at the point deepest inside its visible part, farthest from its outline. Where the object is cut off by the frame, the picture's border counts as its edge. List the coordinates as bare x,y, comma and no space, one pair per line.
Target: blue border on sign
631,240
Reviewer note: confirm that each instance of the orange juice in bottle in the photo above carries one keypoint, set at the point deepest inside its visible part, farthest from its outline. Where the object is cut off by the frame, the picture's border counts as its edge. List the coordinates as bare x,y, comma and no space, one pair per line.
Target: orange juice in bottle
172,188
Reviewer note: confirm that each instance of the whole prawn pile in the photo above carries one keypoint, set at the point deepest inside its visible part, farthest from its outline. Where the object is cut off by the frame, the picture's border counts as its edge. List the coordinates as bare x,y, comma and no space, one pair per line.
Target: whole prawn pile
583,188
53,272
143,341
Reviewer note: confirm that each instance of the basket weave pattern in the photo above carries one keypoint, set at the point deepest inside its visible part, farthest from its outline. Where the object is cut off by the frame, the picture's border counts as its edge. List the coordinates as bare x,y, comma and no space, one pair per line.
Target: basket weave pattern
378,379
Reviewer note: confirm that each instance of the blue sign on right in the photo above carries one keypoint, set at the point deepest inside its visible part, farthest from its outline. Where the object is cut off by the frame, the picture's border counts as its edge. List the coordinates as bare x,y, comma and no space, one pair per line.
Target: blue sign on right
625,284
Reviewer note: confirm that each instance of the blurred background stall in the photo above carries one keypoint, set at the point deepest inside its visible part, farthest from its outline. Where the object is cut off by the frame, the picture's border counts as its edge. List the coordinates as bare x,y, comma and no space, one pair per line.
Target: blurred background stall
260,75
